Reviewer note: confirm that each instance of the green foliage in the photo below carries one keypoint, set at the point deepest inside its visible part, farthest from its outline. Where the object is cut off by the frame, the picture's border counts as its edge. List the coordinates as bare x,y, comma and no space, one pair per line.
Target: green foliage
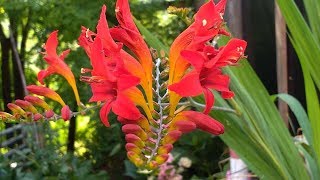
47,162
306,41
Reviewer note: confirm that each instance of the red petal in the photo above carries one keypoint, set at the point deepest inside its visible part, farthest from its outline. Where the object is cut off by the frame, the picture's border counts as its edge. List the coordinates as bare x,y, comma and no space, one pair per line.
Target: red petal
221,6
209,98
194,58
64,54
104,111
214,79
208,20
126,81
124,15
102,92
228,54
52,44
103,31
187,86
44,73
125,108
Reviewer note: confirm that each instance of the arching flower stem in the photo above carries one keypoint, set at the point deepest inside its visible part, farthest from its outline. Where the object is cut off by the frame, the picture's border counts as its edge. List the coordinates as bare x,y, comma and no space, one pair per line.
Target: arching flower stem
199,105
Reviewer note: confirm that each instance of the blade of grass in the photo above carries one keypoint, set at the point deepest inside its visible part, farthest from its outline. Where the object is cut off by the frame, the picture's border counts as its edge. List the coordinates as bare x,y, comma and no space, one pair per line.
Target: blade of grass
312,99
299,112
303,36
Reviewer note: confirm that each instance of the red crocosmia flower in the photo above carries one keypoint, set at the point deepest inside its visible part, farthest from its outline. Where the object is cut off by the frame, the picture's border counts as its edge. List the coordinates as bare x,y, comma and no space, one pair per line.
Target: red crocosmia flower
129,35
208,24
207,73
227,55
46,92
109,79
57,64
115,74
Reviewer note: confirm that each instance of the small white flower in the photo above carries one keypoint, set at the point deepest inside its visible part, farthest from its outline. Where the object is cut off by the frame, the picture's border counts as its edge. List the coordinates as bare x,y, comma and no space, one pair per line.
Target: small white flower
185,162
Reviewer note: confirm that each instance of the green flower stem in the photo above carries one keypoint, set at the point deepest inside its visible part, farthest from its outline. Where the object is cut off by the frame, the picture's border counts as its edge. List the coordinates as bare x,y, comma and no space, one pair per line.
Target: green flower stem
199,105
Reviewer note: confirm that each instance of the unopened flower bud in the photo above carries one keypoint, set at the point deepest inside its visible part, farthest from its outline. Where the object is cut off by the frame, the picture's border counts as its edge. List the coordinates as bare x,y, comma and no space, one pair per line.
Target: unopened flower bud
132,147
37,117
183,126
16,109
135,158
162,158
66,113
171,137
131,138
165,149
26,105
37,102
49,114
135,129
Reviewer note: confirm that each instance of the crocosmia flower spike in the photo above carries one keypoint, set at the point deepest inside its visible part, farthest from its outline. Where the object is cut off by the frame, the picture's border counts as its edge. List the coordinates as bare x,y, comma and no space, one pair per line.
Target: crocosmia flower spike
147,93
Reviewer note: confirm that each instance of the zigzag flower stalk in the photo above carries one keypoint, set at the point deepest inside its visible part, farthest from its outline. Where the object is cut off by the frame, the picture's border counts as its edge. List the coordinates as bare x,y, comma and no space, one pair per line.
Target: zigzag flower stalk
144,94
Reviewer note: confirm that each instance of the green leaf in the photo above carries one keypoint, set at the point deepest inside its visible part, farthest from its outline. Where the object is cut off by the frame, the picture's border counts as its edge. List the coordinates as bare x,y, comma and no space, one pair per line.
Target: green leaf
303,36
312,99
115,149
299,112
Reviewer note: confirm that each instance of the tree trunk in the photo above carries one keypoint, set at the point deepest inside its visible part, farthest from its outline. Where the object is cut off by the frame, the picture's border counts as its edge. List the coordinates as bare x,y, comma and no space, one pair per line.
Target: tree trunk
5,74
72,133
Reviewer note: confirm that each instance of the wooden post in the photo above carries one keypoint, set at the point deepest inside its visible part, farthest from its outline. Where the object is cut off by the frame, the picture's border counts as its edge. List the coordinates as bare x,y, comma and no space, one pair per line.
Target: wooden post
233,17
282,67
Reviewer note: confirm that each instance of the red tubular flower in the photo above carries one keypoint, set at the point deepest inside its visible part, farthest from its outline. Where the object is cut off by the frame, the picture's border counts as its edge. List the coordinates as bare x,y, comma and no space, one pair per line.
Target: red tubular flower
115,74
46,92
207,74
57,64
109,79
129,35
207,25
